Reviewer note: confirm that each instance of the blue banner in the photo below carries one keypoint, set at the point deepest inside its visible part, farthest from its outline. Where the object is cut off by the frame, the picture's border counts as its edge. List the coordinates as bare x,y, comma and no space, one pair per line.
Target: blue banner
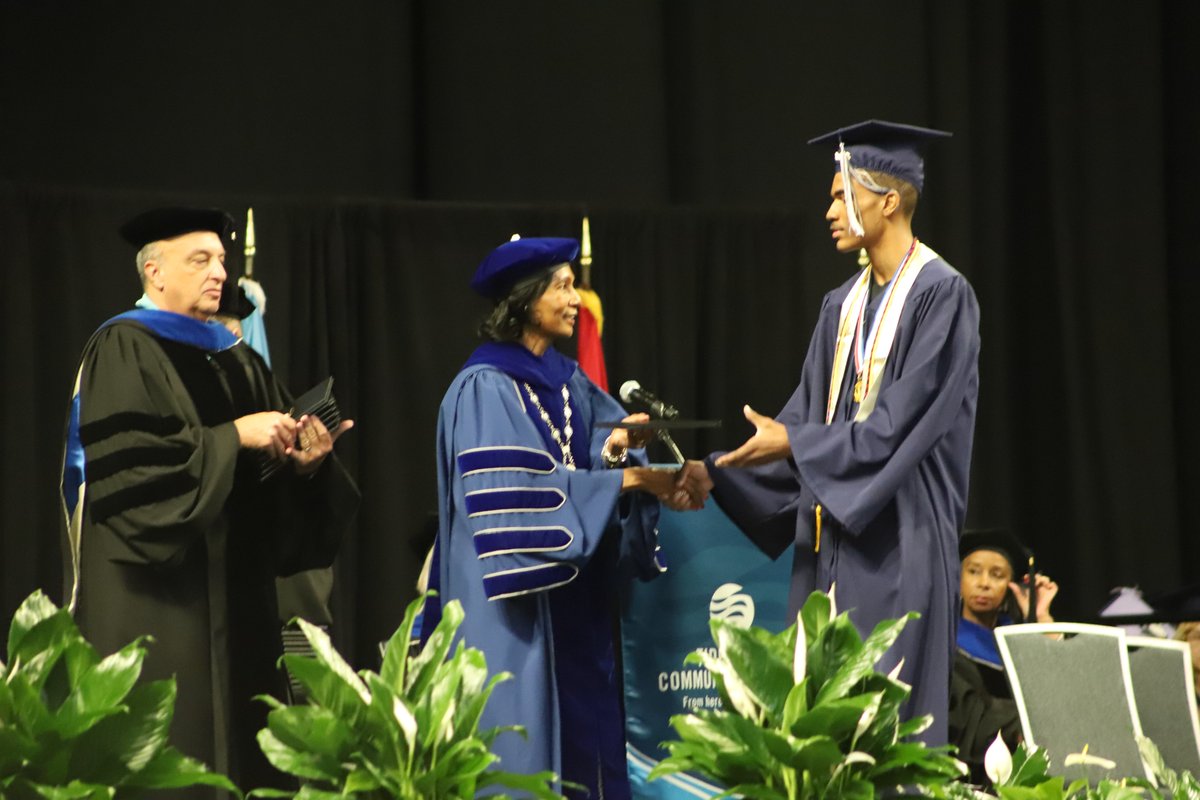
713,571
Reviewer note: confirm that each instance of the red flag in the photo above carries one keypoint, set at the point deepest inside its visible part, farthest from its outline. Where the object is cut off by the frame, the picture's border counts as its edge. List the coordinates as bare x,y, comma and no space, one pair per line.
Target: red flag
591,326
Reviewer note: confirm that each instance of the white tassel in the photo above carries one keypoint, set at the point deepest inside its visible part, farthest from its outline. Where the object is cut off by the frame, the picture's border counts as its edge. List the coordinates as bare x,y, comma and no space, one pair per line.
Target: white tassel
842,156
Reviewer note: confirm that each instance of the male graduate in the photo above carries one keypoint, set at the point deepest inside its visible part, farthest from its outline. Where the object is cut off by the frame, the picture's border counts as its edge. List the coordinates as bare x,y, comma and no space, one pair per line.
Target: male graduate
171,532
866,466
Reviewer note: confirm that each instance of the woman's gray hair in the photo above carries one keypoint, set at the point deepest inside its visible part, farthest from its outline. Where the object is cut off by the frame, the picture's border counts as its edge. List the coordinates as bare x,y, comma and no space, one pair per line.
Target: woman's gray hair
510,315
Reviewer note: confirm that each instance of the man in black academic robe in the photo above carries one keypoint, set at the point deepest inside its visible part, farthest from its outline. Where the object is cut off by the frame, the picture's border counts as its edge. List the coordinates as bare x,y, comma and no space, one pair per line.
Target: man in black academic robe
172,532
866,467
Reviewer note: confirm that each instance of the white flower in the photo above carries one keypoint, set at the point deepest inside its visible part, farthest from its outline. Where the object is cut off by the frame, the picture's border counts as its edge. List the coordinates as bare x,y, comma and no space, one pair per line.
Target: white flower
868,716
997,762
1089,760
859,757
448,723
856,757
800,659
408,723
743,703
739,696
895,675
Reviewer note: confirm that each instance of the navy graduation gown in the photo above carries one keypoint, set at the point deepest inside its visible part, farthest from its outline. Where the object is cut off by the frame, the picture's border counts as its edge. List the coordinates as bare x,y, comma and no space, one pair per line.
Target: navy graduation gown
893,487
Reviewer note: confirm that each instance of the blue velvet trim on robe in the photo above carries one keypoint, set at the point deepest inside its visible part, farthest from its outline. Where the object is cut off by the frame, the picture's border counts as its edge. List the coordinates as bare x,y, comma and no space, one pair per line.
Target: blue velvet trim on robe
492,459
550,370
546,375
209,336
513,501
528,579
73,462
979,642
496,541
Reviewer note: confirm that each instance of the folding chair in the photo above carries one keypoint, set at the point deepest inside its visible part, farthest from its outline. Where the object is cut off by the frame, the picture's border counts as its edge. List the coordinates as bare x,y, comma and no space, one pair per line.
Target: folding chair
1075,697
1166,699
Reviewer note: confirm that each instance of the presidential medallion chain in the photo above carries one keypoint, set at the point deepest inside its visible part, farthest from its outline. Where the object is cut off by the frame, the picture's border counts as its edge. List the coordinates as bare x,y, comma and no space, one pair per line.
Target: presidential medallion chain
563,438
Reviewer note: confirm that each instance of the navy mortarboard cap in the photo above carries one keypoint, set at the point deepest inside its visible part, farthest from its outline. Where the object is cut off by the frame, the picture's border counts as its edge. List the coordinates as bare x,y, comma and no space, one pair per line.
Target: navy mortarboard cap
887,147
998,540
508,264
167,223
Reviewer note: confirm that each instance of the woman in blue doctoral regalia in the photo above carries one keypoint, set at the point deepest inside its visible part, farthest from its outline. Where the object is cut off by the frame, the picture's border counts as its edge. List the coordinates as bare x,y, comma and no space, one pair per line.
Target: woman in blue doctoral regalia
993,594
540,517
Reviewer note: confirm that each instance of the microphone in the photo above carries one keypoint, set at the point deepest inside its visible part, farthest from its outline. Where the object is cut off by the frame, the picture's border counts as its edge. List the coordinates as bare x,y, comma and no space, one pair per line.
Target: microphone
632,392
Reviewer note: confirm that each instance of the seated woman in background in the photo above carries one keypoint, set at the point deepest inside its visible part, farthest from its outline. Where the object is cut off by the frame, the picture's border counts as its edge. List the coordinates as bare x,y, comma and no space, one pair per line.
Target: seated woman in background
1190,632
981,703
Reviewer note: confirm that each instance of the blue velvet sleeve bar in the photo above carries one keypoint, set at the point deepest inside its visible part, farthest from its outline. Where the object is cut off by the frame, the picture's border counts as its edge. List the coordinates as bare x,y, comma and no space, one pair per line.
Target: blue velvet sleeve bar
508,489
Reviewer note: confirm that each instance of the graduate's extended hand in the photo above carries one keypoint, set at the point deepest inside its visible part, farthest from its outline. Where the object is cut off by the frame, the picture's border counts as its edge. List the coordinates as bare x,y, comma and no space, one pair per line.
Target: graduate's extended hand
1046,592
769,443
314,442
270,431
692,486
662,484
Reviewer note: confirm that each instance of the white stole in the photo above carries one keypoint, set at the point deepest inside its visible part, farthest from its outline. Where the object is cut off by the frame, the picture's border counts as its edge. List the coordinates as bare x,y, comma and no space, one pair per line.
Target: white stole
880,344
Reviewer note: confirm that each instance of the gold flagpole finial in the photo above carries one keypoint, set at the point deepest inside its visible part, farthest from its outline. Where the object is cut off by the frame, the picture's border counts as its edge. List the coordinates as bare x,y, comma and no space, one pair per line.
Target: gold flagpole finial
249,250
585,254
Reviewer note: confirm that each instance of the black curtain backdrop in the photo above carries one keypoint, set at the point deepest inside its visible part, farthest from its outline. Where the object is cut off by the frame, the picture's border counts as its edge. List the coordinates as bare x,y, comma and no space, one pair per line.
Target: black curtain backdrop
386,146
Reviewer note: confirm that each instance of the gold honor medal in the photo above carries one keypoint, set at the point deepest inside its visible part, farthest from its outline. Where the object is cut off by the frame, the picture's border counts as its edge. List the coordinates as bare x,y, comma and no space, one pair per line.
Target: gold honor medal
858,389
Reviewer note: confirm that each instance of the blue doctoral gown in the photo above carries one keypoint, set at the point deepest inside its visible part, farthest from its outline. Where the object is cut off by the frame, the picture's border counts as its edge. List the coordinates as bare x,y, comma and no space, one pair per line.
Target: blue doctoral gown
893,488
534,552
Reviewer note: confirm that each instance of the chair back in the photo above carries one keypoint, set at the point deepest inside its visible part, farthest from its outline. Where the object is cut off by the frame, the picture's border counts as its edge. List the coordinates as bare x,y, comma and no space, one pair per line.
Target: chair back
1166,699
1075,697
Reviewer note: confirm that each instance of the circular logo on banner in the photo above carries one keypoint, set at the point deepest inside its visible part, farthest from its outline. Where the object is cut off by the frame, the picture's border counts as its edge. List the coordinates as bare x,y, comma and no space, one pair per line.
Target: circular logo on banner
733,605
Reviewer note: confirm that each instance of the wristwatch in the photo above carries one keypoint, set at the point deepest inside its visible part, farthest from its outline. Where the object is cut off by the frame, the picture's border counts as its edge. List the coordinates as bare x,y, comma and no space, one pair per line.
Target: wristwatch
612,461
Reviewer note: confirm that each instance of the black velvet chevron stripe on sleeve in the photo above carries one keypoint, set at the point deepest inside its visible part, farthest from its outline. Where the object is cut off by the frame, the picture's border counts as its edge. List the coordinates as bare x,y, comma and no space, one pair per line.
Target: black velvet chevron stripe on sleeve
126,421
170,485
130,457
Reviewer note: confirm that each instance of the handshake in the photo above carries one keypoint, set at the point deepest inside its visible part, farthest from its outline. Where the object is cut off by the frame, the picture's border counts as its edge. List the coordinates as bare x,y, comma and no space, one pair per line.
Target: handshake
683,489
687,488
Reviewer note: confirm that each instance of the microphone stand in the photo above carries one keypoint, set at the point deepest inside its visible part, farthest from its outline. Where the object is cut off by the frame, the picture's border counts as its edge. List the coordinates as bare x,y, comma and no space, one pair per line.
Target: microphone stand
664,436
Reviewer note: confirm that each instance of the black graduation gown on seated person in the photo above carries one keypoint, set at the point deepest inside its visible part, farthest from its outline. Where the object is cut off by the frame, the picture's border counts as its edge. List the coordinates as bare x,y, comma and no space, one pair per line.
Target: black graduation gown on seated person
893,488
981,706
180,540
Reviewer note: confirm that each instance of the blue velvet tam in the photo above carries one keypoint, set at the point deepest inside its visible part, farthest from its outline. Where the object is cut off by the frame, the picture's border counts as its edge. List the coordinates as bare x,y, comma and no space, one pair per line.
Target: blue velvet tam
512,262
887,147
158,224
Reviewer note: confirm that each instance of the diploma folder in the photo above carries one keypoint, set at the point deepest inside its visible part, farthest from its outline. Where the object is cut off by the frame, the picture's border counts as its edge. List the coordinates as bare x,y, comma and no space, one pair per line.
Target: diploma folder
662,424
317,402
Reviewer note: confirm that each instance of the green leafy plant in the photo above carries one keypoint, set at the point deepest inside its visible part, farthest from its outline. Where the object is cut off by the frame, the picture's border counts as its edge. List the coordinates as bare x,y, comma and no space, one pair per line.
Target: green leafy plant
1181,785
74,725
1025,775
806,715
410,731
